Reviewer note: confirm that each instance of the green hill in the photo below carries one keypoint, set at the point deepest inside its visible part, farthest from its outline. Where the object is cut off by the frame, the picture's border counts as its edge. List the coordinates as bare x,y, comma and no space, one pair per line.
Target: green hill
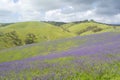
22,33
5,24
39,30
86,28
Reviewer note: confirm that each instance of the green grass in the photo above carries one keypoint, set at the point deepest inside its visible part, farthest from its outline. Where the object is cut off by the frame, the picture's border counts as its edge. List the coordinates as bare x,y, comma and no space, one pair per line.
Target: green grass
63,68
38,28
42,31
104,30
39,49
66,70
59,60
46,32
79,27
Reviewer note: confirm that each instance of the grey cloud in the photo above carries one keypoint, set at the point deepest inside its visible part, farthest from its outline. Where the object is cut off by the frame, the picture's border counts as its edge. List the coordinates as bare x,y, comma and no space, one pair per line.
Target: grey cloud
46,5
103,7
5,13
108,7
8,16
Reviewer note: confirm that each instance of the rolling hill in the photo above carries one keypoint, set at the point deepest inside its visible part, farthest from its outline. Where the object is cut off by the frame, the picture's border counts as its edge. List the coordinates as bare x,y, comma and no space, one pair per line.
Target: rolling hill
92,57
22,33
59,51
42,31
87,27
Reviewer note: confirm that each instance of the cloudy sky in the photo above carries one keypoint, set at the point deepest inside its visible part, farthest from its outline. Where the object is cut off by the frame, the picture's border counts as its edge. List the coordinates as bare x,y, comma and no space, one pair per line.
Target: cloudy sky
107,11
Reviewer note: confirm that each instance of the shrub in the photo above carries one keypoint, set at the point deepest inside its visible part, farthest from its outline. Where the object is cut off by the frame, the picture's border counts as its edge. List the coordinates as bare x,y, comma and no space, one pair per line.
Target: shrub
30,38
1,34
90,28
81,31
12,38
97,29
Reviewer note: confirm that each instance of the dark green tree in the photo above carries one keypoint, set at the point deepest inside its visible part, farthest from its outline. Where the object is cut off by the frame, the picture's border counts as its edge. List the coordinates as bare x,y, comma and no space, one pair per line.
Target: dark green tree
97,29
1,34
12,38
30,38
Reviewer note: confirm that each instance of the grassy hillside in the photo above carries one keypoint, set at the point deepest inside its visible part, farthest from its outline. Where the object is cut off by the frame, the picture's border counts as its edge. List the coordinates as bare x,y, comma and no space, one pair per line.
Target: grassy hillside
5,24
86,28
56,46
55,23
92,57
31,32
41,31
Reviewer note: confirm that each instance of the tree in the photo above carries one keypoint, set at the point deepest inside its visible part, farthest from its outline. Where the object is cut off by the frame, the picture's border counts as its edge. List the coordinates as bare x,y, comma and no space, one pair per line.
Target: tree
1,34
12,38
90,28
97,29
30,38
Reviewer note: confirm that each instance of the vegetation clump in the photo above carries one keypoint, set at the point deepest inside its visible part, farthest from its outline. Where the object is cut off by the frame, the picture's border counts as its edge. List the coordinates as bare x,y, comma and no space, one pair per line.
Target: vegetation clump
12,38
97,29
90,28
30,38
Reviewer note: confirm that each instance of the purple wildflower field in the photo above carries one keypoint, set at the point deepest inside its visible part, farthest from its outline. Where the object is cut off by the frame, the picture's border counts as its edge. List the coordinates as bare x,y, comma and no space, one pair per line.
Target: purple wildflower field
96,59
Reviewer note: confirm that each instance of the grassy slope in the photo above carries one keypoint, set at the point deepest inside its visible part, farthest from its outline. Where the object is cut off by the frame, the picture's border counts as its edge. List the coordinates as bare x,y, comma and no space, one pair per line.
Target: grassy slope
75,28
51,47
38,49
63,66
46,32
43,31
38,28
67,68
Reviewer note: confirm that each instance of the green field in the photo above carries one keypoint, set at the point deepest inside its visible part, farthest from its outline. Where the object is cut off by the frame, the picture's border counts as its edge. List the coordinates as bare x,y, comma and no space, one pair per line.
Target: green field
41,31
59,51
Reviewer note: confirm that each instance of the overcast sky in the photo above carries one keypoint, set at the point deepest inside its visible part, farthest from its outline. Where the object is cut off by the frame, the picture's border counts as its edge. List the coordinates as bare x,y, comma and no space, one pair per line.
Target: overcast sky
107,11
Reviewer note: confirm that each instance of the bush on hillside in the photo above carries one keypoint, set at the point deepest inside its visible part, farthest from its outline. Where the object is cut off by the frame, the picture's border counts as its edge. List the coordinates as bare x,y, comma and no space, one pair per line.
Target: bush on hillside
81,31
90,28
30,38
12,38
1,34
97,29
65,29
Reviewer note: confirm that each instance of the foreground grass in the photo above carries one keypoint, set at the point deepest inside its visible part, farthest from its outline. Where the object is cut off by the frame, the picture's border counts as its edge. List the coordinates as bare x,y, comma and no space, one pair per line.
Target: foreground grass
68,68
16,64
40,49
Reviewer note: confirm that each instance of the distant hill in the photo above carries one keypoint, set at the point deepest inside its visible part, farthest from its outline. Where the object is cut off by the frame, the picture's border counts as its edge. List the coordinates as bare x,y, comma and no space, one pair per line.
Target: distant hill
60,51
5,24
55,23
114,24
22,33
39,30
87,27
